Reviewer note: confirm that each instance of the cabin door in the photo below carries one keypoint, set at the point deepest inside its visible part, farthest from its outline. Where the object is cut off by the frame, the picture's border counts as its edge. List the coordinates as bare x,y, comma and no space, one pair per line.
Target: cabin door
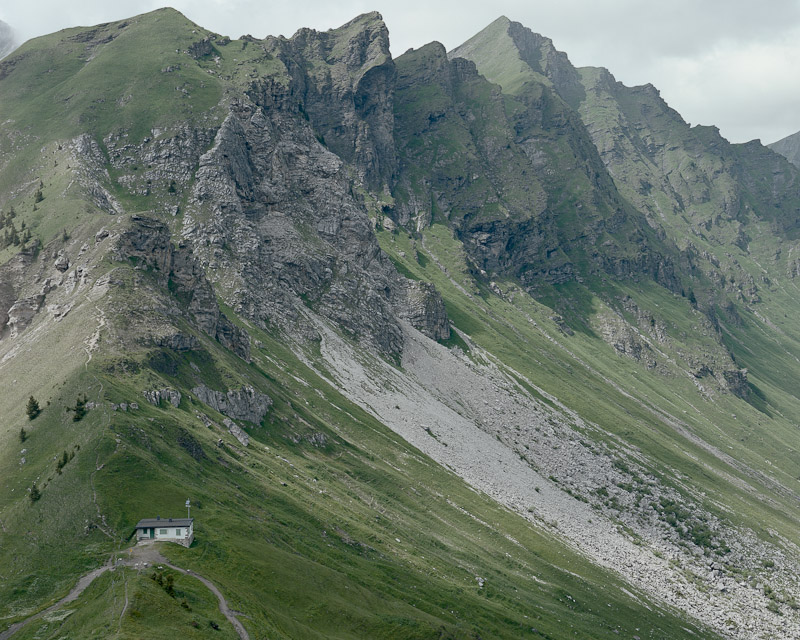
152,532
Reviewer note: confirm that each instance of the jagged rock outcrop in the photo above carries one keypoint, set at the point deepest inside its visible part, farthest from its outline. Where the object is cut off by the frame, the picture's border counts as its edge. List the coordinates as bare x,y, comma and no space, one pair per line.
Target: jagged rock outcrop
147,243
596,230
237,432
625,340
736,380
155,396
12,277
345,77
295,237
421,305
22,312
240,404
201,48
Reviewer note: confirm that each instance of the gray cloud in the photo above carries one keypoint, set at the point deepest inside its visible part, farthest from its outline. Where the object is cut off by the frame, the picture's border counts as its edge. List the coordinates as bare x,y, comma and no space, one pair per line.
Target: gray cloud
726,62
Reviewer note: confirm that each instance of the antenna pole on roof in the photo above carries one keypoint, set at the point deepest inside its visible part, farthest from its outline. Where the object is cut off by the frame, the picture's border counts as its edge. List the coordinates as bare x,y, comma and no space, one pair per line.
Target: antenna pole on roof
188,506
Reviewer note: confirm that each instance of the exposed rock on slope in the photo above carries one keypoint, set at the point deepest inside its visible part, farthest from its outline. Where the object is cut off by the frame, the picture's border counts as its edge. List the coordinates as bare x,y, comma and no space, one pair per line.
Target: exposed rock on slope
147,243
345,79
273,219
241,404
594,229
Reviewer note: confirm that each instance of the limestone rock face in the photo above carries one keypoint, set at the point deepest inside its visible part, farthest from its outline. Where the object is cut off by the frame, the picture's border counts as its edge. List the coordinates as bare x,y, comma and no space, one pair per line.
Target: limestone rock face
347,91
237,432
294,237
147,244
22,312
13,275
240,404
61,263
155,396
422,306
179,342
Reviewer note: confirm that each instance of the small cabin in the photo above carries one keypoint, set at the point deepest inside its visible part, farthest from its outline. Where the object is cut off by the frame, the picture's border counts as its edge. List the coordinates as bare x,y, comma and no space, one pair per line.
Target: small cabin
180,530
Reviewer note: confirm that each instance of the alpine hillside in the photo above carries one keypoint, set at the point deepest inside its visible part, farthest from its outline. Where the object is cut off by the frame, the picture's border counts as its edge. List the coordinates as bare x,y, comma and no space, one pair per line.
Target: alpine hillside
467,344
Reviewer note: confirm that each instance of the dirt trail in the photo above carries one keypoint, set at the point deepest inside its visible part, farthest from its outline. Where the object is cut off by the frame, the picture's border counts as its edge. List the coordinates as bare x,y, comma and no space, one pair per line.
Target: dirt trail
137,557
77,590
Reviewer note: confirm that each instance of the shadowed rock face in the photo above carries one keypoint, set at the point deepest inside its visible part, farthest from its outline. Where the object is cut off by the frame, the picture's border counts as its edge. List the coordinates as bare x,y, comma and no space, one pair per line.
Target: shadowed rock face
497,167
345,79
147,243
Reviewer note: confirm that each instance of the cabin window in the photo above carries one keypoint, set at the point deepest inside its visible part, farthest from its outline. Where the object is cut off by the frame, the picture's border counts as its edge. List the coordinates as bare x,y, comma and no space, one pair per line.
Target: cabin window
162,532
177,532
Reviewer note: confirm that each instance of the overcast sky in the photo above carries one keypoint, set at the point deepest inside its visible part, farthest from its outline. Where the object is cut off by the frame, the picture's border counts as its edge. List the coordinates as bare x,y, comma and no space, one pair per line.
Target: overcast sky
732,63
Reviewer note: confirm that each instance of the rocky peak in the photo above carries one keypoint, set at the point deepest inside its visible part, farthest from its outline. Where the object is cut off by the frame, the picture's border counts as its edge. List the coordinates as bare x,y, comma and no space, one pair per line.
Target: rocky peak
789,148
345,80
540,53
427,65
359,44
510,54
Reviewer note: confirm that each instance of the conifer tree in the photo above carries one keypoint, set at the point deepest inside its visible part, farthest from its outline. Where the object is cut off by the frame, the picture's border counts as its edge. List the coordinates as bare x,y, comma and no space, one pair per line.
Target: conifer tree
80,409
32,409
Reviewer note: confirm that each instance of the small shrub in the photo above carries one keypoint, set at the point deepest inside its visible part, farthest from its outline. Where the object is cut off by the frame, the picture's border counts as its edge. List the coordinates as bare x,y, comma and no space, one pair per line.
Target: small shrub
169,585
35,494
23,435
774,607
63,461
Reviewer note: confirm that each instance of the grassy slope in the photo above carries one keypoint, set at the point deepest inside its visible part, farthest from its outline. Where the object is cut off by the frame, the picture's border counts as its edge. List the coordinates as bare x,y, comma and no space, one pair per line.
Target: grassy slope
582,370
706,184
360,537
319,556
